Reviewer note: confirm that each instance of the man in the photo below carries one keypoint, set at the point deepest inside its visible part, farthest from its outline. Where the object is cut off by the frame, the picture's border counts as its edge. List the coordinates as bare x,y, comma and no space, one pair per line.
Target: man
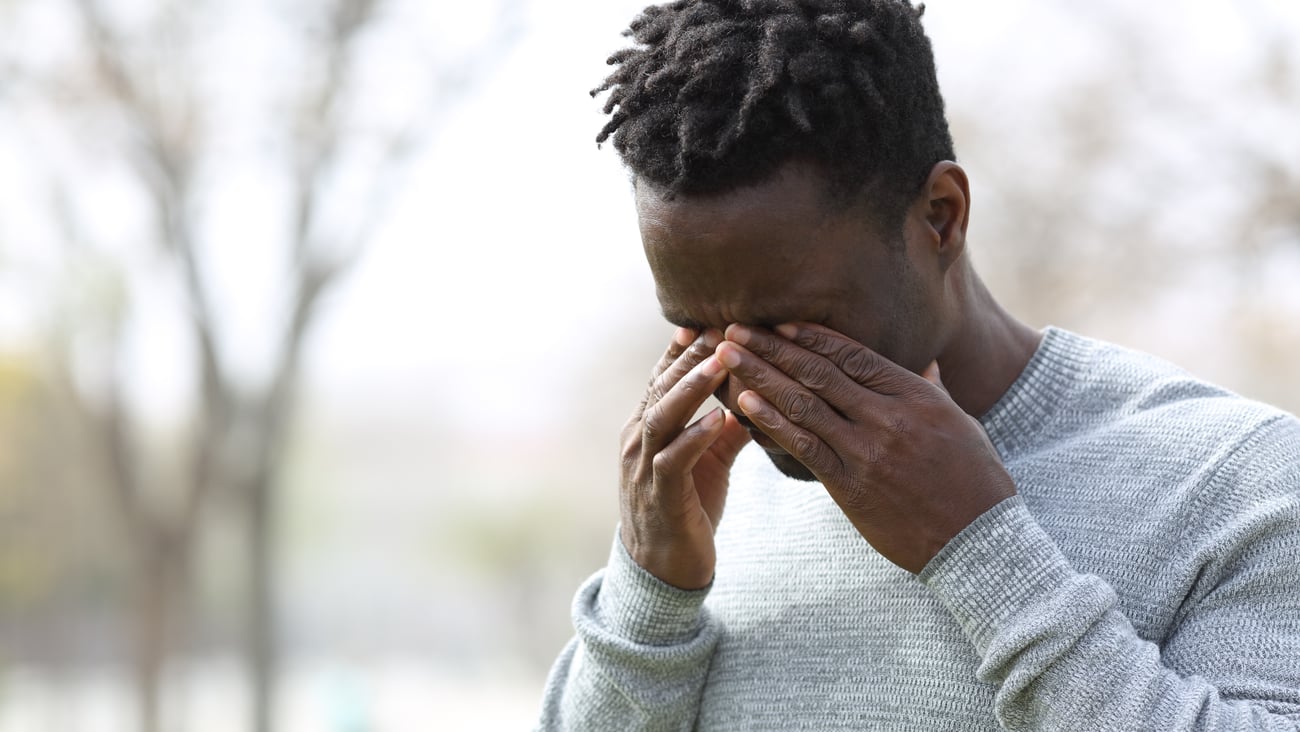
945,520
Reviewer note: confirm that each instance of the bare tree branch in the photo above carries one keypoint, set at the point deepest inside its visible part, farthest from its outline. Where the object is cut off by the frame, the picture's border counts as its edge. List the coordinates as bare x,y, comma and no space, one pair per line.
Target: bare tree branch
165,162
241,429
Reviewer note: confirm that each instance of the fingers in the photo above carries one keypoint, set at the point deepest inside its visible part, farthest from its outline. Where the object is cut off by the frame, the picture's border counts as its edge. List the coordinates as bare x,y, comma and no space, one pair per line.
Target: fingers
798,420
671,368
814,372
730,442
682,339
804,445
680,456
785,391
671,494
860,363
664,418
714,467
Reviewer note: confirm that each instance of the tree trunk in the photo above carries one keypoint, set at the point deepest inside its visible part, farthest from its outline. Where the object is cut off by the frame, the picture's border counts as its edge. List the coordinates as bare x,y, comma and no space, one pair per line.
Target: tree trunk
263,654
159,583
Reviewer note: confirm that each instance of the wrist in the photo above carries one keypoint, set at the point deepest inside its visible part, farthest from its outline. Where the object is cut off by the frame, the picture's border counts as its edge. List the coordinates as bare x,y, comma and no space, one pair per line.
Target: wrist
688,569
635,604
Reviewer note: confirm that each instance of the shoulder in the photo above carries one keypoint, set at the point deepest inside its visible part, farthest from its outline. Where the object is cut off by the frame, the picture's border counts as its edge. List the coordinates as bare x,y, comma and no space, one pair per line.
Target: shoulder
1247,451
1120,386
1136,466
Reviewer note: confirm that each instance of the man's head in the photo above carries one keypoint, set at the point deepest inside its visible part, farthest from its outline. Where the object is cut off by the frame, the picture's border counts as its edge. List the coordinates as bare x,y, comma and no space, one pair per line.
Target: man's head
719,94
787,157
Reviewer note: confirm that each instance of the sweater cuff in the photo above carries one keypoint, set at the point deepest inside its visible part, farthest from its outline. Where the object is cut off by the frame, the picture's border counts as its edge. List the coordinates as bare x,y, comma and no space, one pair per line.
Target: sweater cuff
995,569
636,605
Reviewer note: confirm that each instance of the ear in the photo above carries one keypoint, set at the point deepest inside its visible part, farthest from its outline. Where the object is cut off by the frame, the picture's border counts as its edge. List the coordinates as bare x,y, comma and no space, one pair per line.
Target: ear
946,207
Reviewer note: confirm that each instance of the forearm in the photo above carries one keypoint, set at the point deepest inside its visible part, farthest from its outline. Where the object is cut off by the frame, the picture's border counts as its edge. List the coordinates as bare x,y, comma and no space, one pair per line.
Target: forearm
640,657
1062,653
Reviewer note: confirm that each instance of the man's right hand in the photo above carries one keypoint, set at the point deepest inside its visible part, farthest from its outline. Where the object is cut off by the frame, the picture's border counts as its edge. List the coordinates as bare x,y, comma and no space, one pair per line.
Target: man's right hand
674,477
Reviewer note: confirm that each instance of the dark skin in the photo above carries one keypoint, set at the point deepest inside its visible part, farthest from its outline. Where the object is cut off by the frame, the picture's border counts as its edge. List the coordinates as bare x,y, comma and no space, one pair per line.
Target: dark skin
824,335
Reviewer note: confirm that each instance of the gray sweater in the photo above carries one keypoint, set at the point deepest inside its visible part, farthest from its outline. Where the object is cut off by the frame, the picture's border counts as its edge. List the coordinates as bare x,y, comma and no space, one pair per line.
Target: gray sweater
1146,577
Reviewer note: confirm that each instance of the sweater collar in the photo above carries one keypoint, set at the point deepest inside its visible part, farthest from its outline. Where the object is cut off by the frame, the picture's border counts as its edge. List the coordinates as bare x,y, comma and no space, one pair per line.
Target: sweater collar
1023,417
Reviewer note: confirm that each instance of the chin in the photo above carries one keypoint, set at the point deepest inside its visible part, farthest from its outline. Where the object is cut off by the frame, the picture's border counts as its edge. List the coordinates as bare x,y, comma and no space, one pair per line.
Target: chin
790,467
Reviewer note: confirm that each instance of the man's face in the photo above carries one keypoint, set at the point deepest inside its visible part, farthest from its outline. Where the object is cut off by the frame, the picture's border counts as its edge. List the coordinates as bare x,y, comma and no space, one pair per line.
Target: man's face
777,253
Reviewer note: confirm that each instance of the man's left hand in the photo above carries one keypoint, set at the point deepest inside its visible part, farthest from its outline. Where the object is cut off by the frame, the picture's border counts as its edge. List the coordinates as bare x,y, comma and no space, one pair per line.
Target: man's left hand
907,466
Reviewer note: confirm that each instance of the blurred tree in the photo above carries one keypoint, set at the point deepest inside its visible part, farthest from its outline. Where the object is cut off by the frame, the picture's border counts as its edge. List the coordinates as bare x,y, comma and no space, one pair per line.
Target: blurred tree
51,593
1153,193
171,135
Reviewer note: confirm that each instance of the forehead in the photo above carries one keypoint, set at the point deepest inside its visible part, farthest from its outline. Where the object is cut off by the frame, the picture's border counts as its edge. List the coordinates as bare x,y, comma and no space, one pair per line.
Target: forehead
795,196
764,254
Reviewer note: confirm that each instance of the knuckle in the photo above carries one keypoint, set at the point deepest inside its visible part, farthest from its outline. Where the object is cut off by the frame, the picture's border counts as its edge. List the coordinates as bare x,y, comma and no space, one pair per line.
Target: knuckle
693,384
661,465
879,456
631,448
762,345
814,341
694,354
653,392
799,405
652,425
815,374
858,364
663,379
872,453
757,379
644,475
860,499
803,446
897,425
631,453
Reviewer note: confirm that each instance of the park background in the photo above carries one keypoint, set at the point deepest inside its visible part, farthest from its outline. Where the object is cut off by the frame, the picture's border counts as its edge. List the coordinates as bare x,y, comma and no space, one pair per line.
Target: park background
319,319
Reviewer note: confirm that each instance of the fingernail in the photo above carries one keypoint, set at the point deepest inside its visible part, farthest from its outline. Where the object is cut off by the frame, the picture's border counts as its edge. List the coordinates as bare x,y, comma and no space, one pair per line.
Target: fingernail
738,333
712,338
729,357
749,402
711,419
787,331
684,336
710,367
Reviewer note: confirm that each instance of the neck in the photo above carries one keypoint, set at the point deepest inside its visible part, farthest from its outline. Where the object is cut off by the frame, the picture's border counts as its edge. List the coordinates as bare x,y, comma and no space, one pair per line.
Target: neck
988,351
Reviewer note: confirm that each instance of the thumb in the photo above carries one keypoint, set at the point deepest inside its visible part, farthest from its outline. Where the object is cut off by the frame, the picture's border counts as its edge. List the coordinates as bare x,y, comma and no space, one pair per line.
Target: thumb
734,437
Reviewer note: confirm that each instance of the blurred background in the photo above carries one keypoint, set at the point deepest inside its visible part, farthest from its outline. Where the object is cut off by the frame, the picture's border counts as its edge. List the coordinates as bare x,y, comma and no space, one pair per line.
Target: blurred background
319,319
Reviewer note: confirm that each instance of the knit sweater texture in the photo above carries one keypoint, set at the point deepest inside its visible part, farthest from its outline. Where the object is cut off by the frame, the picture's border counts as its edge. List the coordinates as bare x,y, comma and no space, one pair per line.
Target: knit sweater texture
1145,577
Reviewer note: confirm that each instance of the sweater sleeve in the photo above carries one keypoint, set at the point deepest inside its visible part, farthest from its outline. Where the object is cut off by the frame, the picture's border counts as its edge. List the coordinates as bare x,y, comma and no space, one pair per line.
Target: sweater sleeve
1064,657
639,659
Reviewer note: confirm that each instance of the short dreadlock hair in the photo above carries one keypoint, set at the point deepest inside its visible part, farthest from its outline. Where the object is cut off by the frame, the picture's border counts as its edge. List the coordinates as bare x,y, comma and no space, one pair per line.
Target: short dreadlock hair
718,94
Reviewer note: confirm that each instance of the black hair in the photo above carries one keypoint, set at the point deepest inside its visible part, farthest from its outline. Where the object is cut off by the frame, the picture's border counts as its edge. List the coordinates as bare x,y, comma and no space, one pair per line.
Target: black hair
718,94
